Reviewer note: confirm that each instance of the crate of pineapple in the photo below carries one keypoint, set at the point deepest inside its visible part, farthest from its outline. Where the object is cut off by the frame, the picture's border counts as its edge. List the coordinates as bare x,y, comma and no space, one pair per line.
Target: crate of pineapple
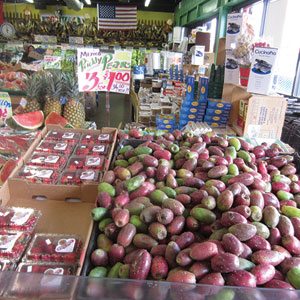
64,164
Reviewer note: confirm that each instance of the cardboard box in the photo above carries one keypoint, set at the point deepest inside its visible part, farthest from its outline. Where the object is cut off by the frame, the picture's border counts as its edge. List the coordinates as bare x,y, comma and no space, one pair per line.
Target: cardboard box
264,115
85,192
232,73
236,22
63,217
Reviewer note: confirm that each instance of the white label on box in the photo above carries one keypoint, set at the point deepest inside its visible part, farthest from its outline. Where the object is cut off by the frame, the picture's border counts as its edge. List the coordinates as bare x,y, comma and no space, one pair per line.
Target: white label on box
52,281
87,175
68,135
21,216
233,29
103,137
262,70
44,174
29,269
231,69
7,241
65,246
93,161
61,146
52,159
99,148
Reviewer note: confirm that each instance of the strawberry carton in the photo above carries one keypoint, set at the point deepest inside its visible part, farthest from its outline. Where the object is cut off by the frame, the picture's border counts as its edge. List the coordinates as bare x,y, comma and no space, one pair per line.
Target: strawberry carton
55,147
47,268
48,160
7,265
88,176
63,136
13,245
94,162
51,284
56,248
70,178
39,175
104,138
18,218
76,162
100,149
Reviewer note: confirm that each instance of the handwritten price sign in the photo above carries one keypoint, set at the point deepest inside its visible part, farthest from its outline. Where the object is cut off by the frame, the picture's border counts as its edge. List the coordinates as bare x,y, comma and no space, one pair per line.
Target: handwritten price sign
98,71
5,106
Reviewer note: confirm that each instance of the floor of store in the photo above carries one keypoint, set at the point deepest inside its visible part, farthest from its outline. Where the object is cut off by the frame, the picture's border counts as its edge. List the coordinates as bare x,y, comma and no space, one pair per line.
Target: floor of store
120,111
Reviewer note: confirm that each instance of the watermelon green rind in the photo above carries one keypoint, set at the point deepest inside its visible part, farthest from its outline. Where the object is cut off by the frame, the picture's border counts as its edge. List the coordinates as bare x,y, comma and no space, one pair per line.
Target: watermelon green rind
55,119
31,121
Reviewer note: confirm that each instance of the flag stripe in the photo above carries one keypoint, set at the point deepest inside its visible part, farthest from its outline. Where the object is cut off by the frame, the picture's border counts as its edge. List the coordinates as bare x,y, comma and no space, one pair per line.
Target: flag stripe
117,17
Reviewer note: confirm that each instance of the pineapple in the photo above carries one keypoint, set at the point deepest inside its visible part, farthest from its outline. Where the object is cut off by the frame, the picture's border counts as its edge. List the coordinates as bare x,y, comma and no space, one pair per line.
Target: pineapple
33,87
74,110
53,93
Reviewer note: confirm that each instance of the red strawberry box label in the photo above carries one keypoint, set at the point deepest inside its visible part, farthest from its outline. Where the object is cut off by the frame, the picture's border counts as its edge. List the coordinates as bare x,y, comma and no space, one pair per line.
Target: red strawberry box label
54,248
88,176
94,162
97,149
18,218
39,175
47,269
55,147
13,244
104,138
55,161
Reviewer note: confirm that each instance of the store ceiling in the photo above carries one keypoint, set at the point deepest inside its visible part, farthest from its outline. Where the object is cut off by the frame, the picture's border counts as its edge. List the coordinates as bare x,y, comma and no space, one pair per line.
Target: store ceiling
155,5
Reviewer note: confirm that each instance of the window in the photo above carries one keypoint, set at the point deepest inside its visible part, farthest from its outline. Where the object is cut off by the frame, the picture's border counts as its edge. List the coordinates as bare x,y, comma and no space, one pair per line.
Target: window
256,11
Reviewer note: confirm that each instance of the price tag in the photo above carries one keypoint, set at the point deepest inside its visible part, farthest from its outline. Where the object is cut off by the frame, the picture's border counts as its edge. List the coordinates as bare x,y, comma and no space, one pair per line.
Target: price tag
5,106
107,72
52,62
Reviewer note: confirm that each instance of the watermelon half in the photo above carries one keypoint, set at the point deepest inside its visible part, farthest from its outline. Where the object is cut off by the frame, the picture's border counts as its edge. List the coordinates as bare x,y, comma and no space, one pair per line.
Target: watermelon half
31,121
56,119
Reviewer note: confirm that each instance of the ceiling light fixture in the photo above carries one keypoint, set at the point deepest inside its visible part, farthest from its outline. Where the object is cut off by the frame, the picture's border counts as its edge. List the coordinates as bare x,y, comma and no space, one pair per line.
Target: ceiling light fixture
88,2
29,1
147,2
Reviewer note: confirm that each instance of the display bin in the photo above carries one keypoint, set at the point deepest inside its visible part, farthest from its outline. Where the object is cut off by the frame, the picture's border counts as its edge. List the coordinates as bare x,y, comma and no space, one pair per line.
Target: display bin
40,286
19,187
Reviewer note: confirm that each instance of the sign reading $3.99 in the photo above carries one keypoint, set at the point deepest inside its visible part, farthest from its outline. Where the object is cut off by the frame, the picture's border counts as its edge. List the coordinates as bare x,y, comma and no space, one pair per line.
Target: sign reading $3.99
101,71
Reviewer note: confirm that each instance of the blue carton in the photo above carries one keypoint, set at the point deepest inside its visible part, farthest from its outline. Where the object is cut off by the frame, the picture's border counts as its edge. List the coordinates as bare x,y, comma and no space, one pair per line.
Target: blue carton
217,112
190,82
203,89
215,124
217,104
217,119
165,120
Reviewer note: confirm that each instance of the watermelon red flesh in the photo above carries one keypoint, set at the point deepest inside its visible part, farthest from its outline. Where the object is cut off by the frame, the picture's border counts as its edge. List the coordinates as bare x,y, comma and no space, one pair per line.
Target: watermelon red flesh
32,120
55,119
6,170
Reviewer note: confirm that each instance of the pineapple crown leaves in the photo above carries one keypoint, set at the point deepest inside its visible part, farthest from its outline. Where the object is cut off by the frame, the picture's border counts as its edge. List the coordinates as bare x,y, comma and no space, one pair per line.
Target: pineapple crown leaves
54,84
35,86
71,87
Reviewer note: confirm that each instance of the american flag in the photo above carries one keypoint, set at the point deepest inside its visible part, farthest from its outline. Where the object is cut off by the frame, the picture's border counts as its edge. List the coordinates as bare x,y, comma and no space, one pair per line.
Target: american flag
117,17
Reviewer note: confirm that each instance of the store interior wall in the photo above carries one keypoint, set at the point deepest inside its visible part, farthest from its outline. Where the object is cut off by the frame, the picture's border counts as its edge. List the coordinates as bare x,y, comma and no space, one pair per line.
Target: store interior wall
86,11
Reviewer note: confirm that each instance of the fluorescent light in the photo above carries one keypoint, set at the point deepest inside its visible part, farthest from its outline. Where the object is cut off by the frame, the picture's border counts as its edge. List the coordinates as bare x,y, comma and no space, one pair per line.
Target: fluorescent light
147,2
29,1
88,2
